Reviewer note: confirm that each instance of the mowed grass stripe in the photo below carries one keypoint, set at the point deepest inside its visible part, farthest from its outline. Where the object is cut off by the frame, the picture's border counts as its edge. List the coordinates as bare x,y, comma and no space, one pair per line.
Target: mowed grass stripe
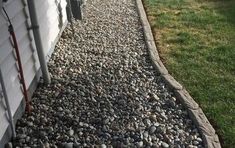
196,41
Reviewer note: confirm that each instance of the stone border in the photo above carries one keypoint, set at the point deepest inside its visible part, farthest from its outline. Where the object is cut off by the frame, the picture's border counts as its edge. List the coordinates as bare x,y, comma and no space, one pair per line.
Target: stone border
210,138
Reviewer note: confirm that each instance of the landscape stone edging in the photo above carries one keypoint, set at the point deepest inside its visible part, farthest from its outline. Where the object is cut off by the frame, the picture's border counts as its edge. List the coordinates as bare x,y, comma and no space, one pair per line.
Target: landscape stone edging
210,138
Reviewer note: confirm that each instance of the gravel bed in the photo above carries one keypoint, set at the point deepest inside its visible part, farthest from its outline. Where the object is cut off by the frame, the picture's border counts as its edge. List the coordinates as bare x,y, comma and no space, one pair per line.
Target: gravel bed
104,90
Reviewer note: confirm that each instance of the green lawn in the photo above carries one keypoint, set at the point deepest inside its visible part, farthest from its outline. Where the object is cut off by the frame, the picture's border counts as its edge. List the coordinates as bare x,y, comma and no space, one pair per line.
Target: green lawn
196,41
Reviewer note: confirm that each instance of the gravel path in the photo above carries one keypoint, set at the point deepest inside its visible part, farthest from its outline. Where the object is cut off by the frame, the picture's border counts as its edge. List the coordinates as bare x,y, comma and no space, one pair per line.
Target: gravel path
104,90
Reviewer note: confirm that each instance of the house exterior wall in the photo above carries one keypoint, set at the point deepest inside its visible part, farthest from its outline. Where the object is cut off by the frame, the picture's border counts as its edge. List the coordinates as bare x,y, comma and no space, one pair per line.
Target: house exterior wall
52,20
51,16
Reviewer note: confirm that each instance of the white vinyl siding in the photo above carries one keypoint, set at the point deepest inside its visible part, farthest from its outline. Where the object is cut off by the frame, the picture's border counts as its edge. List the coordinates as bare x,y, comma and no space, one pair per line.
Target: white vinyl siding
49,19
48,16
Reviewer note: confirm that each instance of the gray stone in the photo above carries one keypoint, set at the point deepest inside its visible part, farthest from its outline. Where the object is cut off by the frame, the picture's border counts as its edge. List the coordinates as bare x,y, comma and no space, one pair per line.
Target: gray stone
71,132
156,97
47,145
147,122
152,129
68,145
9,145
22,136
30,123
103,146
27,139
199,139
146,134
60,109
195,142
50,129
140,144
165,145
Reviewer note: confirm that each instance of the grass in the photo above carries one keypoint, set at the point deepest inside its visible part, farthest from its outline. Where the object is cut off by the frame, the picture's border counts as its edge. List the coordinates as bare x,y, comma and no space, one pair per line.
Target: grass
196,41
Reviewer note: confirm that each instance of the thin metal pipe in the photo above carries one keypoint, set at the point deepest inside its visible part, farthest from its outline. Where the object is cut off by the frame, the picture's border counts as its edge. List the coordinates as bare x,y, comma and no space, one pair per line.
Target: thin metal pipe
38,41
12,124
21,71
22,79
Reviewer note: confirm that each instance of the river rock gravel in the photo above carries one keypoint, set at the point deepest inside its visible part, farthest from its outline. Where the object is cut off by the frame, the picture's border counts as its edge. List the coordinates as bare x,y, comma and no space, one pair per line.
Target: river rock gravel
105,91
